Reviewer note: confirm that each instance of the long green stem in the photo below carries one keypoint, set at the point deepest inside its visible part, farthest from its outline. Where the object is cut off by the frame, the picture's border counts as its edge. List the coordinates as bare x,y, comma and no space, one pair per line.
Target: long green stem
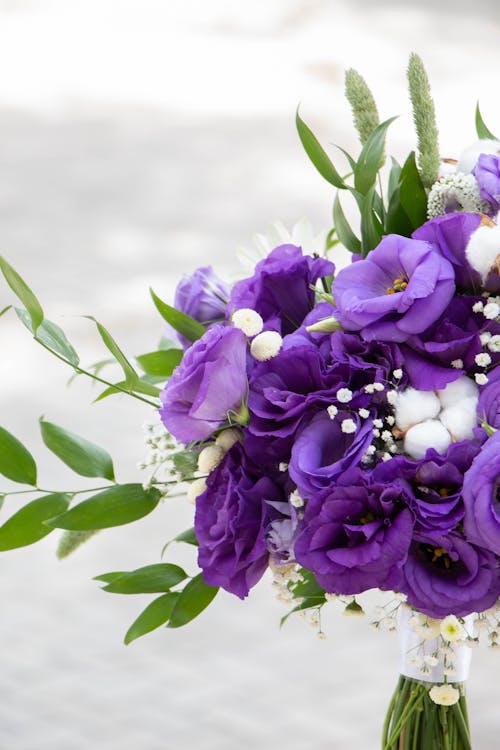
96,377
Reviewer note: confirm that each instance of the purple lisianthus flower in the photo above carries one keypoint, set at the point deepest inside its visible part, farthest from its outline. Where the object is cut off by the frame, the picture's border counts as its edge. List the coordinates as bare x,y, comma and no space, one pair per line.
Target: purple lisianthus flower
202,296
435,483
488,408
454,337
280,289
450,235
481,494
230,523
400,289
449,575
355,535
326,447
487,174
210,381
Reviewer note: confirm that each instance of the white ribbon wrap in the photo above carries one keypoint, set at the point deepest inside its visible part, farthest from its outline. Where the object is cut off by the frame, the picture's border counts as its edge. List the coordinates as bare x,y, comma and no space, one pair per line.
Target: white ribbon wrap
412,644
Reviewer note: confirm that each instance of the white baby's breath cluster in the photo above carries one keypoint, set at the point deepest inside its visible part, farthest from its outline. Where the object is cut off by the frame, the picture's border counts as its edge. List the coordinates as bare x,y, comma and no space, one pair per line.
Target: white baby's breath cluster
160,447
444,637
456,192
487,627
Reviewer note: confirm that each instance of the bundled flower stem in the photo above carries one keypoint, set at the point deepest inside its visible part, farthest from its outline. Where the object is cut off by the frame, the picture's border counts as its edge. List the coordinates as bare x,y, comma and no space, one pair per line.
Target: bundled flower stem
416,722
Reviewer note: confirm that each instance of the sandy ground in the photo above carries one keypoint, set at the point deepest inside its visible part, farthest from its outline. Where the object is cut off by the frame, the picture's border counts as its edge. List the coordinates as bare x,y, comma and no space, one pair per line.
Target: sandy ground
138,140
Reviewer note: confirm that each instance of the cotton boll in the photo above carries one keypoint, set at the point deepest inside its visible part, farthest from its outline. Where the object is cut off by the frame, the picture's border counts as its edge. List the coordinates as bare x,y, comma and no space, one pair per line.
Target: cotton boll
429,434
460,389
460,419
227,438
470,155
483,249
414,406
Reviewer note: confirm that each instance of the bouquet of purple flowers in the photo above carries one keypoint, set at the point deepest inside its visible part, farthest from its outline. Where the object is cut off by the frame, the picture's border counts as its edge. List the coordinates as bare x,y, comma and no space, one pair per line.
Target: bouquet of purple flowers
338,426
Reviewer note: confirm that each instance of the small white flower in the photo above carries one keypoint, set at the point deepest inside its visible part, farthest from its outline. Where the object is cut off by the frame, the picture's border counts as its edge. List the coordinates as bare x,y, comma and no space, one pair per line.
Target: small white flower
478,307
457,364
390,420
369,388
209,458
378,423
387,436
348,426
371,450
247,320
398,374
457,189
451,629
483,359
480,378
376,433
391,397
283,466
494,343
295,500
431,661
491,310
363,413
227,438
332,411
426,627
444,695
485,337
378,386
414,660
429,434
344,395
386,456
266,345
195,489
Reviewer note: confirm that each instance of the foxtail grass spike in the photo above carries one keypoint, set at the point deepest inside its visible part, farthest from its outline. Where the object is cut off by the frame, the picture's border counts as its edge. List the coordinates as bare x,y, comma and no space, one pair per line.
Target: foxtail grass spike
424,116
364,109
71,540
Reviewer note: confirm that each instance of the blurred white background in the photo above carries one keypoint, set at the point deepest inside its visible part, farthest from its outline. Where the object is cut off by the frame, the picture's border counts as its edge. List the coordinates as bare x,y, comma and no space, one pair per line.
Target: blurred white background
138,140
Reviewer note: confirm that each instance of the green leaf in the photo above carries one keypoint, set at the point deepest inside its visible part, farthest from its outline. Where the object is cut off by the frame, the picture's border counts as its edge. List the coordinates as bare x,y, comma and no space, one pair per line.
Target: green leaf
51,336
155,615
188,537
108,577
84,457
352,162
161,363
27,525
141,386
371,228
312,601
412,194
23,292
343,230
194,598
482,131
371,157
394,176
397,221
116,506
6,309
16,462
151,579
188,327
318,155
185,463
131,377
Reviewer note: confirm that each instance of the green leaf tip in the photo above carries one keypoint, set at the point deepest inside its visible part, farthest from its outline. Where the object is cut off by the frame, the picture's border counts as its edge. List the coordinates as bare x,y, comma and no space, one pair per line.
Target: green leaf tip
424,116
483,132
364,108
22,292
